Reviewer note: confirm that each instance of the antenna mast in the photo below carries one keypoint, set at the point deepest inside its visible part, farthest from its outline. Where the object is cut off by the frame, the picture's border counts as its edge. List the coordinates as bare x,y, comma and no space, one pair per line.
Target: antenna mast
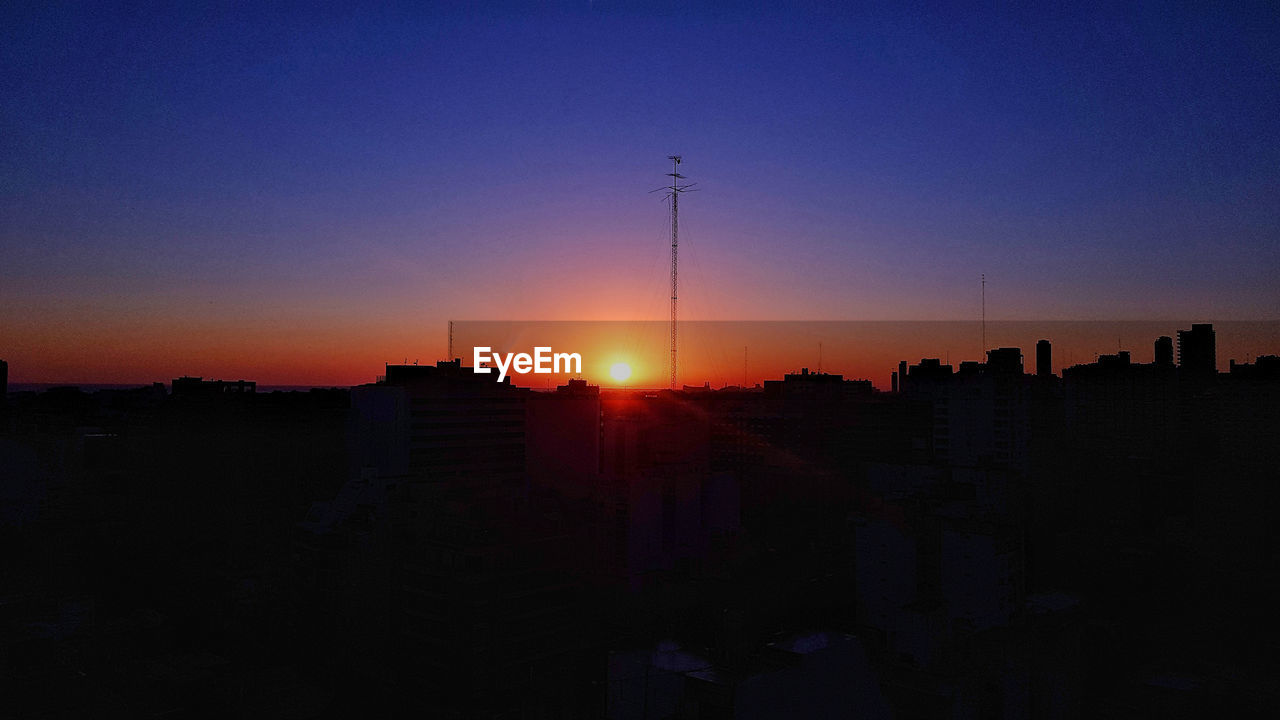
450,358
984,318
673,191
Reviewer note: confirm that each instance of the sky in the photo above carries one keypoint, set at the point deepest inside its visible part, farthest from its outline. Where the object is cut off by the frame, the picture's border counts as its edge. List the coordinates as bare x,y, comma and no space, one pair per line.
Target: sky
297,195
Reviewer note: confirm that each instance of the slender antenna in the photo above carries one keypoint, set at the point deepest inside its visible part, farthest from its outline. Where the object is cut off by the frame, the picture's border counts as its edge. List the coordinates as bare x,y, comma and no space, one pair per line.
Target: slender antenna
674,190
675,237
744,367
819,356
984,316
450,358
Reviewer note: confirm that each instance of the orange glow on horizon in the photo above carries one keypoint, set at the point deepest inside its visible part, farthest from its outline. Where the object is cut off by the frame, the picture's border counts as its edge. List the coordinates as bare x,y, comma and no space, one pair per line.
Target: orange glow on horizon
352,351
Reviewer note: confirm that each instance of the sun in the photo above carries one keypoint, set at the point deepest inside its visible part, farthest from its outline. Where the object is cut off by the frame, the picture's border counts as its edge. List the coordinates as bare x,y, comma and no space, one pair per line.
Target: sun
620,371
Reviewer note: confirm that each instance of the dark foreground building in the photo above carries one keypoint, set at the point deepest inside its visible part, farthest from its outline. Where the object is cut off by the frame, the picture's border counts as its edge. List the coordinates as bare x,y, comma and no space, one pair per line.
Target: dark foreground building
983,541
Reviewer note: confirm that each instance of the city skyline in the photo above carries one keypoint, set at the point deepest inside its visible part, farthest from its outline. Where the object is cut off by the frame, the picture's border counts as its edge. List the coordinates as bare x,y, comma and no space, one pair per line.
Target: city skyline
729,353
981,537
952,391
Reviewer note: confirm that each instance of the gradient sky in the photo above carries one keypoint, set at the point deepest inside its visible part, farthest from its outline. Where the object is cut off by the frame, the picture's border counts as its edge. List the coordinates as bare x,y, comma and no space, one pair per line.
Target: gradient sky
297,195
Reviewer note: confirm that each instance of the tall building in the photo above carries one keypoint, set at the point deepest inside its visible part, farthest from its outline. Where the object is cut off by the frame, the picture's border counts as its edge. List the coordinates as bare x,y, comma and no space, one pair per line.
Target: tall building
563,438
1164,351
443,422
1005,360
1044,358
655,462
979,413
1119,407
474,580
1197,349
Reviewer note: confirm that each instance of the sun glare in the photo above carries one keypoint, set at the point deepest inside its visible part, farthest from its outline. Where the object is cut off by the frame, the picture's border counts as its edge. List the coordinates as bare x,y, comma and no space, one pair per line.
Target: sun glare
620,371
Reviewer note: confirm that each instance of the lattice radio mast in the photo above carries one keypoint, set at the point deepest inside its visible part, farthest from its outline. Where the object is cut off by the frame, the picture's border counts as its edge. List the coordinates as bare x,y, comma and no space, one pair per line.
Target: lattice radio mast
674,190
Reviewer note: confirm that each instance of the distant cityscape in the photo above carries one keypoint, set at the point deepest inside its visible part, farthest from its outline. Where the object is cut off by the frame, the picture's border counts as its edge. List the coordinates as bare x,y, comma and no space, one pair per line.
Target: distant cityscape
988,540
639,361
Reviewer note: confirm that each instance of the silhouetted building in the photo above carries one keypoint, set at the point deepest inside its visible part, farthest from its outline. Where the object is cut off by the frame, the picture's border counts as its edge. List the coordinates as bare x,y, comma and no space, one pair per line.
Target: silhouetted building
193,387
655,466
1197,352
488,621
1005,360
463,584
443,422
1117,405
381,430
1263,367
980,414
1002,545
1044,358
981,577
564,431
929,369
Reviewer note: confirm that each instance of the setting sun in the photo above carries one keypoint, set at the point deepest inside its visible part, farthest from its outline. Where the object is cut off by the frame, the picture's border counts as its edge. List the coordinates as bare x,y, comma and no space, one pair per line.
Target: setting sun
620,371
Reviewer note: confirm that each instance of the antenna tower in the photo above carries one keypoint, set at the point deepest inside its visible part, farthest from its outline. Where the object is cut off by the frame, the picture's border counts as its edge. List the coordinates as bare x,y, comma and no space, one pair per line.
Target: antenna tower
674,190
983,354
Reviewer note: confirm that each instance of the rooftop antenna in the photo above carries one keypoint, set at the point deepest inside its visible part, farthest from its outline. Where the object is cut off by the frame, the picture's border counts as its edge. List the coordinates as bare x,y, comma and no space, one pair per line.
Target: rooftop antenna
984,316
744,367
450,358
674,190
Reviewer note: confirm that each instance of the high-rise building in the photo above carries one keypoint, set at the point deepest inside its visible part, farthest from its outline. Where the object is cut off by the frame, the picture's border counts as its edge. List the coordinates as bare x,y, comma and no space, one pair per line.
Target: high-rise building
1117,406
445,423
1044,358
1005,360
978,414
1164,351
1197,349
563,438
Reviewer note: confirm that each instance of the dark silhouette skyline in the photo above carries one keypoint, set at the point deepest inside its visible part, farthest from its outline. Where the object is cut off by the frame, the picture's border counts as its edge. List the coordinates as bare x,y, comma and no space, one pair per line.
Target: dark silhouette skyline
248,468
985,538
